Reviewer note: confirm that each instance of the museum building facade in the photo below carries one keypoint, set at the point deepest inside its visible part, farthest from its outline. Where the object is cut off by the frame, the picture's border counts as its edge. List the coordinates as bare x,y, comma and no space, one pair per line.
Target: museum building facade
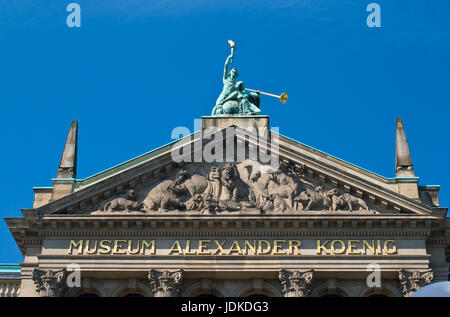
267,216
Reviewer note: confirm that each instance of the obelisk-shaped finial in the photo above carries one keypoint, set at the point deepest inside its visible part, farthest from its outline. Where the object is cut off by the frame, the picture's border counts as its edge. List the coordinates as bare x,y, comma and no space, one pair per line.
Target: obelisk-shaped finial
403,162
68,165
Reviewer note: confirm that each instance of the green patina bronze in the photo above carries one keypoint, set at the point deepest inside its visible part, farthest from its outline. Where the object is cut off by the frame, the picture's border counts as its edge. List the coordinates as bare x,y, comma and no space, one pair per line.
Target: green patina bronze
234,100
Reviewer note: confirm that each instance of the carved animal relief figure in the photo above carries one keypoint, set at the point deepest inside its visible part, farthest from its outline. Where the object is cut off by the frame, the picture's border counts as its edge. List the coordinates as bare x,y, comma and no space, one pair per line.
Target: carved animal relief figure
234,188
195,185
314,199
352,201
346,201
124,204
163,198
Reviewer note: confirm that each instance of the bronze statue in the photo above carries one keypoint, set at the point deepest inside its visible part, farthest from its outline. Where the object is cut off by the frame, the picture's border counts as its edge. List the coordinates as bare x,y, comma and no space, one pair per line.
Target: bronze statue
233,99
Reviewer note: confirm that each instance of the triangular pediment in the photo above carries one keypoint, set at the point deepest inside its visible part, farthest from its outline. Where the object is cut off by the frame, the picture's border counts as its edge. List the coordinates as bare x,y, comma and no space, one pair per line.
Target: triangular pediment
307,182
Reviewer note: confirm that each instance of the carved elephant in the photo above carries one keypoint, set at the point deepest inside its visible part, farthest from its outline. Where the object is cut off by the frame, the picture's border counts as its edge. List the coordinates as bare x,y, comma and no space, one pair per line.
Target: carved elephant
160,197
196,184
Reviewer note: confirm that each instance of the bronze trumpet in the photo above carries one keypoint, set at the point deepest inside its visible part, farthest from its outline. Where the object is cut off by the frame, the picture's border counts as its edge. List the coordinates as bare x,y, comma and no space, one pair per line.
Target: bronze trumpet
283,97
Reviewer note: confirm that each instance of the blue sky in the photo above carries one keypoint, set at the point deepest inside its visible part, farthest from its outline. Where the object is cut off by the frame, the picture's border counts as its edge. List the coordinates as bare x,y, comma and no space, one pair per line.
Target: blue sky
137,69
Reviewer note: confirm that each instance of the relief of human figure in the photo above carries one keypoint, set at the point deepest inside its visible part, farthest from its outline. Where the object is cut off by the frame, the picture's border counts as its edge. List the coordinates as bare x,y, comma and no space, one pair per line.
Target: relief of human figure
259,188
234,99
246,102
282,188
229,82
214,186
178,187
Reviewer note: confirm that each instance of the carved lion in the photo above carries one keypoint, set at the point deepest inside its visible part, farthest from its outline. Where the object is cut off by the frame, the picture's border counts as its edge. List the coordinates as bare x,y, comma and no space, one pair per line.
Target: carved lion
235,188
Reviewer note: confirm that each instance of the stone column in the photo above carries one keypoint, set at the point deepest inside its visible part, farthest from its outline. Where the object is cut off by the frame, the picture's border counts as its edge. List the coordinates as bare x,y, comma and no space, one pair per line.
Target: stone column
412,280
50,283
296,283
438,261
166,283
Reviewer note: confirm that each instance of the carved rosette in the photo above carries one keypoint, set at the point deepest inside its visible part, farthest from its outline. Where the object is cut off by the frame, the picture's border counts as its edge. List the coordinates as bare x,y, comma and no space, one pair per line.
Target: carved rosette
50,283
166,283
296,283
412,280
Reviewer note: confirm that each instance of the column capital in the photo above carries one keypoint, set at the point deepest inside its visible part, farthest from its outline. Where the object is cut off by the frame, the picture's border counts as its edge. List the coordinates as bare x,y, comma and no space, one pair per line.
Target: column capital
50,283
166,283
412,280
296,283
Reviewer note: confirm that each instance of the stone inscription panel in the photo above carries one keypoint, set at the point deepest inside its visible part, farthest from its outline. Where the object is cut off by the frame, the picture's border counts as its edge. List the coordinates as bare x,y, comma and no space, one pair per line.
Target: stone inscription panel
234,247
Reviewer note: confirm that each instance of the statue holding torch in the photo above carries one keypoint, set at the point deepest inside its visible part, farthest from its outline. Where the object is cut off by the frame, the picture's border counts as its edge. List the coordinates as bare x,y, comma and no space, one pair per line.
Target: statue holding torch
234,98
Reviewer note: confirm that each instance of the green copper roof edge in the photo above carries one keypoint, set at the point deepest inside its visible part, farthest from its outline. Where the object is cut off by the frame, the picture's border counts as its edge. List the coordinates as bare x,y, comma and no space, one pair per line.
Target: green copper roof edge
133,161
438,186
351,165
9,267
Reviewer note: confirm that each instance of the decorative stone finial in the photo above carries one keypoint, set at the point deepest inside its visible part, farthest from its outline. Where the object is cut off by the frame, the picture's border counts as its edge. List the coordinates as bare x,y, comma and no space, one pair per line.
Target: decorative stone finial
296,283
68,165
50,283
166,283
412,280
403,162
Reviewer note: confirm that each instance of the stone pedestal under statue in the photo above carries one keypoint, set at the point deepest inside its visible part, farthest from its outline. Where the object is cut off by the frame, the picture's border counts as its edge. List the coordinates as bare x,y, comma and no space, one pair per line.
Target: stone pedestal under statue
261,122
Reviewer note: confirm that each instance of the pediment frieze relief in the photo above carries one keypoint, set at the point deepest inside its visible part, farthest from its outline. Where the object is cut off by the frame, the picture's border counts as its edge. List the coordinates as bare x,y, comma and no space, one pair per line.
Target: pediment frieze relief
226,188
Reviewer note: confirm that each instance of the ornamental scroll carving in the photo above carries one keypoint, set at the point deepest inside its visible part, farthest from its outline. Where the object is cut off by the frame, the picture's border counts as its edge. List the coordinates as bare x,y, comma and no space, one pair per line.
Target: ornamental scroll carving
166,283
412,280
213,188
50,283
296,283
